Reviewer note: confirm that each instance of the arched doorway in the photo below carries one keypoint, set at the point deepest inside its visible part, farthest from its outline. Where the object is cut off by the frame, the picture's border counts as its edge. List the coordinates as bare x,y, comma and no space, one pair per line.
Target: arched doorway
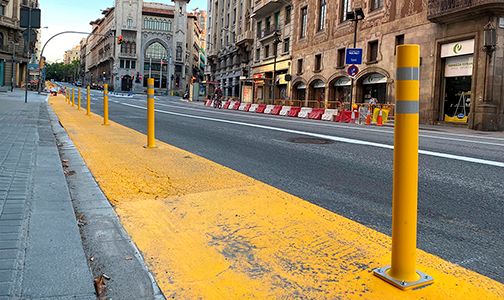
372,86
339,90
316,94
155,64
126,83
299,91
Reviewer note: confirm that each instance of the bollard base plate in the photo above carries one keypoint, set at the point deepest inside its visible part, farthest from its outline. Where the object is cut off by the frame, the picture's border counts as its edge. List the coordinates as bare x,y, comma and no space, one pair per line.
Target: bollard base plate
150,147
403,285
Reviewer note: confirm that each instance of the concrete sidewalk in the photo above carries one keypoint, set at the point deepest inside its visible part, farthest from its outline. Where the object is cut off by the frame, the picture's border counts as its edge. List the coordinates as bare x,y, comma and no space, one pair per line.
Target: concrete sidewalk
41,253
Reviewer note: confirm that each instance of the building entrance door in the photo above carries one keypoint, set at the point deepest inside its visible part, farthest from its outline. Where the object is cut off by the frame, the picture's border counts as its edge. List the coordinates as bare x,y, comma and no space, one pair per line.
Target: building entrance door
457,82
2,72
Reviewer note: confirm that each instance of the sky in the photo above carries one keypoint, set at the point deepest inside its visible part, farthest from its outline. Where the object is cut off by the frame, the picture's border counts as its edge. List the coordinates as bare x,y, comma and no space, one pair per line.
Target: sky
75,15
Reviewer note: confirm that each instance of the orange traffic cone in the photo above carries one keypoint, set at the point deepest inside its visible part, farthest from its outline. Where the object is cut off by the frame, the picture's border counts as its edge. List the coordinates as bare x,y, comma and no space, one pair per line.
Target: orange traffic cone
379,121
368,117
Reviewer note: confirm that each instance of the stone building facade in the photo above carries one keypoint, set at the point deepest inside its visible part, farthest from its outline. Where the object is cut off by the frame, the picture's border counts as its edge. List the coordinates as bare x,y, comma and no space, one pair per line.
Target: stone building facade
229,45
461,77
72,54
154,44
13,43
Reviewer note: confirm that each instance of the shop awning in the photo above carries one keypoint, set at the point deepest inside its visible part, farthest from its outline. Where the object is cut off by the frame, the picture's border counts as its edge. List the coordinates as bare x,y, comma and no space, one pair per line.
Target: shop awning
301,86
342,81
374,78
319,84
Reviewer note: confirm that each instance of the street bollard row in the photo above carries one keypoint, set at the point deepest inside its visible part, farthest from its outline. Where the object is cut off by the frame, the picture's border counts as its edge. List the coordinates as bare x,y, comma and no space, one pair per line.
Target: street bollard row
151,139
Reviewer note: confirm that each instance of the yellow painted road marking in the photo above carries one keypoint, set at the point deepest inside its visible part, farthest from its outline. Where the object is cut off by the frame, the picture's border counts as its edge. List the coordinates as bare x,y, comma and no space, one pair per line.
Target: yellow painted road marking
209,232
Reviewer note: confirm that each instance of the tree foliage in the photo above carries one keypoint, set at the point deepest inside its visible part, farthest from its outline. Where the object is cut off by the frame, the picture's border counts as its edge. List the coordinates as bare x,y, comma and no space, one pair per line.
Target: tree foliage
63,72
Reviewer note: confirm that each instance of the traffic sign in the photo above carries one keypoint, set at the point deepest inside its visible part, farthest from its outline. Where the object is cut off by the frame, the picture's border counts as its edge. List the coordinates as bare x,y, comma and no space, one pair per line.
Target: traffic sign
353,56
352,70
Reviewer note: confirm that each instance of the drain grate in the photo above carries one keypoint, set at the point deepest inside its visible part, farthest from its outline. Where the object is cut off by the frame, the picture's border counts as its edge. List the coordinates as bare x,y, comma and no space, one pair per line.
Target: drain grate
307,140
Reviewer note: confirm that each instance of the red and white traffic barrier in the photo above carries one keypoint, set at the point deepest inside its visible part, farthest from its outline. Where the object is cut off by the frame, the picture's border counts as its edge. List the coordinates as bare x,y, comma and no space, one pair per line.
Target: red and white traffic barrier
304,112
330,114
269,108
253,107
285,110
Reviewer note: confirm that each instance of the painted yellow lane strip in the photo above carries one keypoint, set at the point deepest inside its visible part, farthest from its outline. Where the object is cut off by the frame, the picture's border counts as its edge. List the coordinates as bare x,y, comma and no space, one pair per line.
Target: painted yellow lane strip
209,232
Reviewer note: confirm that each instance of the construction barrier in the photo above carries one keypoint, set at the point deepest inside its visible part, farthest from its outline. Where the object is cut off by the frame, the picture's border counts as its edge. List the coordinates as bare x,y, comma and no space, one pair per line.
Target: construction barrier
294,111
269,108
236,105
276,110
376,112
329,114
253,107
247,107
304,112
285,110
316,114
260,109
226,105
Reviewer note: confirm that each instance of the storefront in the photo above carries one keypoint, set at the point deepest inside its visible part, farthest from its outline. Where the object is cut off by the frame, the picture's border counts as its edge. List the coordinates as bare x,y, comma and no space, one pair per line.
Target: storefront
317,91
300,91
340,90
263,89
457,59
373,86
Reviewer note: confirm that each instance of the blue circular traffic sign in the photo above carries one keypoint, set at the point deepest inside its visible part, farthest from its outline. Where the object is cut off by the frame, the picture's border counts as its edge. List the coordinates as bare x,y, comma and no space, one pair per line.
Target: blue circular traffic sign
352,70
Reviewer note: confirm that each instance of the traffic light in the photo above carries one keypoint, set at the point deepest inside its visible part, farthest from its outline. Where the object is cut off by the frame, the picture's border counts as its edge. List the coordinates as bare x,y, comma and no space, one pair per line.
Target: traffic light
120,40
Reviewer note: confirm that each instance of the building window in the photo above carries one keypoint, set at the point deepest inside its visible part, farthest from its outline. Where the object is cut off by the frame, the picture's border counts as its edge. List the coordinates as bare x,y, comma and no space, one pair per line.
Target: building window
234,16
156,51
267,26
288,11
345,7
129,23
1,40
376,4
322,14
341,58
266,51
286,45
178,52
259,29
127,64
277,20
373,51
258,54
303,22
318,62
121,64
399,40
300,66
133,64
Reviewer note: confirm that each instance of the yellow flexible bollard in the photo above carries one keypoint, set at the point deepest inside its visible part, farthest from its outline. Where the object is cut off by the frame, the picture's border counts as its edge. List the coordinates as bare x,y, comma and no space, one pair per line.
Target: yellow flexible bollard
105,104
73,97
88,104
78,98
151,139
402,273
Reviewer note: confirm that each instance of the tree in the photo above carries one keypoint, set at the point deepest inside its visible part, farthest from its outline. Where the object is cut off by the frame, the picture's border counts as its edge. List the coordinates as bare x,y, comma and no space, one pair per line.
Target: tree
63,72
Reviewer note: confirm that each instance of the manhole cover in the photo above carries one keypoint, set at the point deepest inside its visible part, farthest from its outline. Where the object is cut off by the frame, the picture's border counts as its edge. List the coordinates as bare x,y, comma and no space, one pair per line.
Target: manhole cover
307,140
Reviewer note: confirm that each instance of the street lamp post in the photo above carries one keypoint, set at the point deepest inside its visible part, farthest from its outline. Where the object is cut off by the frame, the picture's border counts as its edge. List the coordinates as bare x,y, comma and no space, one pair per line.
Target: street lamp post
13,77
355,16
276,41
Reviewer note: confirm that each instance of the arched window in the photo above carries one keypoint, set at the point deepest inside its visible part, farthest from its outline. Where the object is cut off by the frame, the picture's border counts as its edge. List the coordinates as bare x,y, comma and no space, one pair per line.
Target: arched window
169,25
156,51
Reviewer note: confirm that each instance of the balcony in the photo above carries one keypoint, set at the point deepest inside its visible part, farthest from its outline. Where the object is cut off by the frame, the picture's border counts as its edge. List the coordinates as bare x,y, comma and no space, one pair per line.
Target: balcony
266,7
245,37
266,34
449,11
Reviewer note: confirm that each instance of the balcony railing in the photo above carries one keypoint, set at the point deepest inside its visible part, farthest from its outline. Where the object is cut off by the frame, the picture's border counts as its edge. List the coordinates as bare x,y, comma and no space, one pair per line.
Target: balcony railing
266,32
444,11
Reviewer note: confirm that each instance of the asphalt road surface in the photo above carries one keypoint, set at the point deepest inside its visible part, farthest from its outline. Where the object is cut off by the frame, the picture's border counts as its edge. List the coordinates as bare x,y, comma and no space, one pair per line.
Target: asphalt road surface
347,169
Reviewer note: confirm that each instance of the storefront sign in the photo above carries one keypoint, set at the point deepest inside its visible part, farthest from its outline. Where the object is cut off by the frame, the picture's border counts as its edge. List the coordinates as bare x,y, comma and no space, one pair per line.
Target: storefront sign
457,48
342,81
353,56
375,78
247,93
459,66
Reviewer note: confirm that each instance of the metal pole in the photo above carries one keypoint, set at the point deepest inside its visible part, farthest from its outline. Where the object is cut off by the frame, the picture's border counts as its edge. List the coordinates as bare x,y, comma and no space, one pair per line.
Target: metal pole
352,79
402,273
73,97
105,104
161,76
13,77
274,72
78,98
150,67
27,77
168,85
151,140
88,98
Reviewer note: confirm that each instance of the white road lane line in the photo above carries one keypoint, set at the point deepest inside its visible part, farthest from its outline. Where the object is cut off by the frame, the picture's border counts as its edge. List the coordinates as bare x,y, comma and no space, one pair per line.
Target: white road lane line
332,138
383,131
